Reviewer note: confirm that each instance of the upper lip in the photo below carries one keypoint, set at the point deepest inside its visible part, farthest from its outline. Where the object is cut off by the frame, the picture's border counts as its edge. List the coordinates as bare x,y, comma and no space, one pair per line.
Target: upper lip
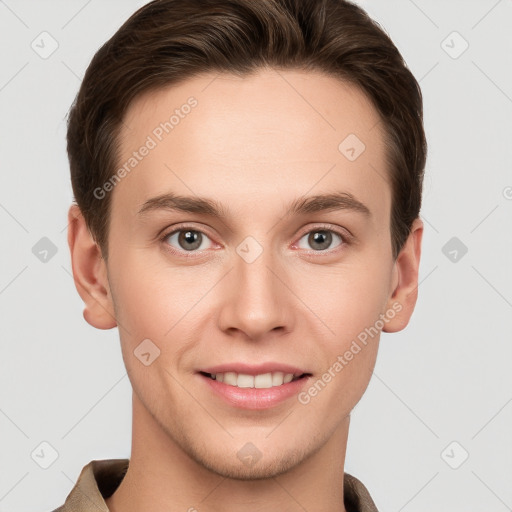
254,369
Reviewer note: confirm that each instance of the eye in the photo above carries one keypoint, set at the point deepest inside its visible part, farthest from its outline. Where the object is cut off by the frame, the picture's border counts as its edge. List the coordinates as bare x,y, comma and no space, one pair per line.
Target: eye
188,242
321,239
186,239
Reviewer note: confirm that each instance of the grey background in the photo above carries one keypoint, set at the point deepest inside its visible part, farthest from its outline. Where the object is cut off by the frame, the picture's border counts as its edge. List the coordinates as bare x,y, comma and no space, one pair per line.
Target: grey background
446,378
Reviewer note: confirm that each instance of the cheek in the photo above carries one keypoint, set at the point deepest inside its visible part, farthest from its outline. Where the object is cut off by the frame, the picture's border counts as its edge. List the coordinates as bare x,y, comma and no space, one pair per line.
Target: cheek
151,297
350,307
348,299
155,308
351,303
160,303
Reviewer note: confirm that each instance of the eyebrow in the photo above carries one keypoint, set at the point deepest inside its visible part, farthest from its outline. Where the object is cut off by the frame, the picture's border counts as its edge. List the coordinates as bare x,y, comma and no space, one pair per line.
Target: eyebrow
303,205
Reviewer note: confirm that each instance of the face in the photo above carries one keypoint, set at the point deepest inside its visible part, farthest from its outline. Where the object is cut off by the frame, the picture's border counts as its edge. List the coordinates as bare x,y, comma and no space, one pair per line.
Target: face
251,275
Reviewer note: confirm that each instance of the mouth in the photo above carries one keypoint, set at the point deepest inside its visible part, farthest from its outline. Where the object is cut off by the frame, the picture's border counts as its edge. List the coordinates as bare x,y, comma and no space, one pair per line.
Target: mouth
254,386
260,381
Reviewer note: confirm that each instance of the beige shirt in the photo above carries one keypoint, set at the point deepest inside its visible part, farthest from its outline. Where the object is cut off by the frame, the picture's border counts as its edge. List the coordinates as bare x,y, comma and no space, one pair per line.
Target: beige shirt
100,478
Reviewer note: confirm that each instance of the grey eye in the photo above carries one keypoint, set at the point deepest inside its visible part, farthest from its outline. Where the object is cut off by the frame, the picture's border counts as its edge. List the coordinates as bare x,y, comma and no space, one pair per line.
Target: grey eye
188,239
319,239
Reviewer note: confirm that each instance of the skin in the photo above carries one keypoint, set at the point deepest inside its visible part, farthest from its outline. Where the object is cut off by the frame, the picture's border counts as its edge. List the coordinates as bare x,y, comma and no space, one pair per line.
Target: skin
253,144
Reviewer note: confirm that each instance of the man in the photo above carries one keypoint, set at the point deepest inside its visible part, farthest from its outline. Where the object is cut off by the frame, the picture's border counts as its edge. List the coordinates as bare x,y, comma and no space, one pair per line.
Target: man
247,177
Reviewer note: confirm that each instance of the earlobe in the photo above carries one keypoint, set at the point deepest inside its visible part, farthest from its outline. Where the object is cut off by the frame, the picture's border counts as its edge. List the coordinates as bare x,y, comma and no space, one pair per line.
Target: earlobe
89,273
405,280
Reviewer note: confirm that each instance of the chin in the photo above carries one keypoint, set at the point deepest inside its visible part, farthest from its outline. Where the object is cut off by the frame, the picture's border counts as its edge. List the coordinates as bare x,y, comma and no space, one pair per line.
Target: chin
262,469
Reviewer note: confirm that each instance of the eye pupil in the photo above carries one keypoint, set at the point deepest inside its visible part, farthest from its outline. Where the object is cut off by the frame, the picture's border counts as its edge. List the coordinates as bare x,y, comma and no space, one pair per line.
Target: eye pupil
322,238
189,237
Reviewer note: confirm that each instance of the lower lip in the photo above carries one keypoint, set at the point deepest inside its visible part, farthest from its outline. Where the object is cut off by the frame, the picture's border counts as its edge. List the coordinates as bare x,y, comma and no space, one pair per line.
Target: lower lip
255,398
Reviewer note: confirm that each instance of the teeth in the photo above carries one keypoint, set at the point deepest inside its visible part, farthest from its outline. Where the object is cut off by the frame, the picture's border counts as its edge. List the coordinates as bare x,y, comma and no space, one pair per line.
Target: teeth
229,378
245,381
277,378
264,380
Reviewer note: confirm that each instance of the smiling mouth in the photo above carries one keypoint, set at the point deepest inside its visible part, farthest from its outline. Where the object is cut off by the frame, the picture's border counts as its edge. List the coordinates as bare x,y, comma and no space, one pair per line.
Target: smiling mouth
261,381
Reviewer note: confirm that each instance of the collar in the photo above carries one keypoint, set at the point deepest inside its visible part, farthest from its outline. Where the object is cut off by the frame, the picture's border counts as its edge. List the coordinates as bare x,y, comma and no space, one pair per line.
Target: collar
100,478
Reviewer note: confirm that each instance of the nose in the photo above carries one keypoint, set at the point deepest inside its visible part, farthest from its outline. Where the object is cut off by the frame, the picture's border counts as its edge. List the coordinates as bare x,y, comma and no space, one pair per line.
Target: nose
256,299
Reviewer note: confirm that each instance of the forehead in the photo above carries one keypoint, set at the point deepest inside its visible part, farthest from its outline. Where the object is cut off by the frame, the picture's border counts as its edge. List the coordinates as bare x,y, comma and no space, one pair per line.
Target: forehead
271,134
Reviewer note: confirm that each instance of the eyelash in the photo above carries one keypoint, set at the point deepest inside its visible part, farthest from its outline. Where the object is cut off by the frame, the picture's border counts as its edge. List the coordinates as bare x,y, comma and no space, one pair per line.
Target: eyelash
345,240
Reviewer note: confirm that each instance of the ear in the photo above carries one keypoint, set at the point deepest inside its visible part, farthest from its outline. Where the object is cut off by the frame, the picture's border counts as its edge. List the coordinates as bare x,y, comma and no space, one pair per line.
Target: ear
405,280
89,272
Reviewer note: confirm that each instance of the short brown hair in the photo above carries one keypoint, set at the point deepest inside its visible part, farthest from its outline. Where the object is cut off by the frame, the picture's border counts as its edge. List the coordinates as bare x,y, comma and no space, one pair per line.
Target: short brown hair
167,41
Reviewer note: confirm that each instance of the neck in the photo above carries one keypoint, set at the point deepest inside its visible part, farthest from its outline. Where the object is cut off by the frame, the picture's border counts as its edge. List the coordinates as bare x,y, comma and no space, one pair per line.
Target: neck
161,476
